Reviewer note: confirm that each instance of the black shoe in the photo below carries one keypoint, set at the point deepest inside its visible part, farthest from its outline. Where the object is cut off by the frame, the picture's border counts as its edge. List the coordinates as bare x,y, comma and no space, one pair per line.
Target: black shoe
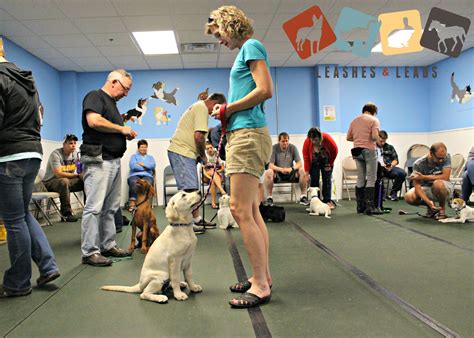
198,230
393,197
5,292
70,218
116,252
96,260
205,224
47,278
304,200
269,201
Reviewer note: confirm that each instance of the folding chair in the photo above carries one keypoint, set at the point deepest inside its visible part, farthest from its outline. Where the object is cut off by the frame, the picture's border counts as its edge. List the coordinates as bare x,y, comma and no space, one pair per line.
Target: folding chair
414,152
349,174
40,195
169,182
457,169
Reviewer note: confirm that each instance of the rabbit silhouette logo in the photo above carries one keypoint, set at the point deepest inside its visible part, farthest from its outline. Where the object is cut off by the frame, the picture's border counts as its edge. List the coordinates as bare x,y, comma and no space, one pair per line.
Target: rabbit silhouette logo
309,32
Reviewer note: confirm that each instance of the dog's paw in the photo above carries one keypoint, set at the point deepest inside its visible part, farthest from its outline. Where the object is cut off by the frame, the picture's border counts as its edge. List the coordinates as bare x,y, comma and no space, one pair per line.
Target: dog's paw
144,250
223,227
180,296
131,248
183,285
195,288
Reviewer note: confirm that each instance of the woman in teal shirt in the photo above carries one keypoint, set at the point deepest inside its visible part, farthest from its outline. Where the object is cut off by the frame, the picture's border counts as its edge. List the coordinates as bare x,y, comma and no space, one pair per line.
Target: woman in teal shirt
248,144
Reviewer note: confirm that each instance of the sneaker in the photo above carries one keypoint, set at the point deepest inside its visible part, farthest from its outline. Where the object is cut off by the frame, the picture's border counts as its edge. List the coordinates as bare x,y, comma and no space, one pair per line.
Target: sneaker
304,200
205,224
70,218
269,201
198,230
393,197
4,292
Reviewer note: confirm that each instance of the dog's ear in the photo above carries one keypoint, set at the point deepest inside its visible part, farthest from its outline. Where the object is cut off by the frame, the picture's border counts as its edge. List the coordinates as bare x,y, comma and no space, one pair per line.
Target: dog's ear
171,213
151,192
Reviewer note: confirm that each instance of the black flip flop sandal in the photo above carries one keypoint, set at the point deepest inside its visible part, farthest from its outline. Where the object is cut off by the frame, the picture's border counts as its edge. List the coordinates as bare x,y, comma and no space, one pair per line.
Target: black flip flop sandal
248,300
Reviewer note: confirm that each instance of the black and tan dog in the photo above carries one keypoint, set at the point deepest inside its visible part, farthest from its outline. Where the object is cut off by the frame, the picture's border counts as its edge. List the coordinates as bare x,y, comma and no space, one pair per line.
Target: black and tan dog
144,218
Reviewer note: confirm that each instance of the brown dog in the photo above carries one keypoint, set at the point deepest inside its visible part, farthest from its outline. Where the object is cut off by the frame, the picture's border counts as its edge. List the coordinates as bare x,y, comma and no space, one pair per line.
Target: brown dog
144,218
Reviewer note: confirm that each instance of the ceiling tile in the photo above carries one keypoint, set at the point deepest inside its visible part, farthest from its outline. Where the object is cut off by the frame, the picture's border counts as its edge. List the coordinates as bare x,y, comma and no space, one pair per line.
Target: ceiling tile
72,40
120,50
261,20
128,62
79,51
46,53
14,28
190,65
189,21
199,57
51,27
31,42
5,16
148,23
188,36
277,47
86,8
298,6
142,7
32,9
189,7
111,39
87,62
100,25
63,64
260,6
276,35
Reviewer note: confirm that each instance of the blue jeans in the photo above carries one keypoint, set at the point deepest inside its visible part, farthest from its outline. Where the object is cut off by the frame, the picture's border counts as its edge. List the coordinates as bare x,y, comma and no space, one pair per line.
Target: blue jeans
26,239
398,175
468,180
102,183
366,164
316,168
132,185
184,170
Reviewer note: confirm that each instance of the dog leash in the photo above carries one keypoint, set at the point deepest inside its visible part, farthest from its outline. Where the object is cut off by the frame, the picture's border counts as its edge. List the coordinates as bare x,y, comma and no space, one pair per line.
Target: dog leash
219,146
135,208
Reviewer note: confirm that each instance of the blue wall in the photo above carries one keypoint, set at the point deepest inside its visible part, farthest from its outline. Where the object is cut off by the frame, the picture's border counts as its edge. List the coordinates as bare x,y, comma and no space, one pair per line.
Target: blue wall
445,114
47,81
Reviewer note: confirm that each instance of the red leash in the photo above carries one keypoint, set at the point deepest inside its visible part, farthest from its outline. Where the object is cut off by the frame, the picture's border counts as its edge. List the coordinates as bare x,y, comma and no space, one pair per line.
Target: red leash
219,146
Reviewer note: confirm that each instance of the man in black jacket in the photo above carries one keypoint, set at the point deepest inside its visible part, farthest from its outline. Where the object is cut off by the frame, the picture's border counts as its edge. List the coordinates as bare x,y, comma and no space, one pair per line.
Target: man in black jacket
20,159
104,143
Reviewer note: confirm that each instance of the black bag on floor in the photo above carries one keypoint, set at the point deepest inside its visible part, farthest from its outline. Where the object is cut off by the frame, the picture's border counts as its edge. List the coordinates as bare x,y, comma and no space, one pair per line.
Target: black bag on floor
272,213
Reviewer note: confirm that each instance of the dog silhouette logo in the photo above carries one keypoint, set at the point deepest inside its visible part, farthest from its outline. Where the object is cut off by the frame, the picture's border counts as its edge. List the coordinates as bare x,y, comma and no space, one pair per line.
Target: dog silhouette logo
445,32
400,32
356,32
309,32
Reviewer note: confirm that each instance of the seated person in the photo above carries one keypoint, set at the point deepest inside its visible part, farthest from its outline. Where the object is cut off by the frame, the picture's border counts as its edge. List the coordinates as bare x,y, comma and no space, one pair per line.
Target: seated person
468,176
213,163
285,166
319,153
61,175
430,178
389,166
142,166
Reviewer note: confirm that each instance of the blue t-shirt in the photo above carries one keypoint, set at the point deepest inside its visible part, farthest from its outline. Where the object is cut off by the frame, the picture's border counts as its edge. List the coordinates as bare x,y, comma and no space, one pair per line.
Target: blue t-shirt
241,83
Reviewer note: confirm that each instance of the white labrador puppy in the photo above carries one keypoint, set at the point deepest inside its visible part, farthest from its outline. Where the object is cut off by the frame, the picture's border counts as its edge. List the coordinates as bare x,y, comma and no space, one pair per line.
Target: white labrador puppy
170,255
464,212
224,216
316,206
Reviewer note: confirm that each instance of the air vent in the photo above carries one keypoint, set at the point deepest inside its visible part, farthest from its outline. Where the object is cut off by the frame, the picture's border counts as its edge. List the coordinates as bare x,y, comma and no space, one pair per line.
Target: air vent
199,48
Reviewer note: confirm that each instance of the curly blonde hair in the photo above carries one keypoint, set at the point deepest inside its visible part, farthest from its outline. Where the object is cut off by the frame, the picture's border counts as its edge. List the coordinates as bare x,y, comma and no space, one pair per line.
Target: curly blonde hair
230,22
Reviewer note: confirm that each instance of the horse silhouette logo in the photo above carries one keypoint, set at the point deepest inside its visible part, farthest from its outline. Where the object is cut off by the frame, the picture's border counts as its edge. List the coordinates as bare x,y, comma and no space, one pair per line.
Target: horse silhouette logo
309,32
445,32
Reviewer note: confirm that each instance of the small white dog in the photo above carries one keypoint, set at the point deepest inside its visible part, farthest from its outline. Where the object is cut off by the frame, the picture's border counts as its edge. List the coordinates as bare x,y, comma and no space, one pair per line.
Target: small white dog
463,212
170,255
224,216
316,206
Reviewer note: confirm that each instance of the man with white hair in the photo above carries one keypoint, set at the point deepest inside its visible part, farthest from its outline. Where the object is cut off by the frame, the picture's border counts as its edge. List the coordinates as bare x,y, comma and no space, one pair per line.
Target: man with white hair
104,143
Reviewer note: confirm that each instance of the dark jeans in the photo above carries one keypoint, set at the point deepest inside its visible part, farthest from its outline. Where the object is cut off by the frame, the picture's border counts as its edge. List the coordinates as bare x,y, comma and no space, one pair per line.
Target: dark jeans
398,175
314,172
468,180
65,186
132,184
26,239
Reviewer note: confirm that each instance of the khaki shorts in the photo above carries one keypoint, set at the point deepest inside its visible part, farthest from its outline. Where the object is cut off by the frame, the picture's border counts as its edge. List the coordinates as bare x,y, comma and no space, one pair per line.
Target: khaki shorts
247,151
429,191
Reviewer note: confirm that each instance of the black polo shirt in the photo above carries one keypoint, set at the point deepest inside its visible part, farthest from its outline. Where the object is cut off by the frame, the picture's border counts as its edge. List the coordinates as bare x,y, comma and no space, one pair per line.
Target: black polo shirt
113,144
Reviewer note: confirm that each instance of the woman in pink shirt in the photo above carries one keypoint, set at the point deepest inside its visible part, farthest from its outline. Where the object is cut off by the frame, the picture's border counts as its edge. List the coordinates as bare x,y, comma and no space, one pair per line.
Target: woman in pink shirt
319,153
364,132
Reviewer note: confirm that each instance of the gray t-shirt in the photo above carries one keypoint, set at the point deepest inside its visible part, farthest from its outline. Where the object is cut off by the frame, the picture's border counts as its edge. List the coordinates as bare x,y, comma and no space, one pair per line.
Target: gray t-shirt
423,166
59,159
284,158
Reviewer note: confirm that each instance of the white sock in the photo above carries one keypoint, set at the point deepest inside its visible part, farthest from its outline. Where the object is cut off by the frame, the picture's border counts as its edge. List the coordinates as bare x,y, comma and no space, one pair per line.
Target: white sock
197,219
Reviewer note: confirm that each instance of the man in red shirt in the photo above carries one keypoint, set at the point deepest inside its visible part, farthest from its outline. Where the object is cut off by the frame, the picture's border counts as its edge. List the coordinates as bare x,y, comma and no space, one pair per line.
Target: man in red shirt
319,153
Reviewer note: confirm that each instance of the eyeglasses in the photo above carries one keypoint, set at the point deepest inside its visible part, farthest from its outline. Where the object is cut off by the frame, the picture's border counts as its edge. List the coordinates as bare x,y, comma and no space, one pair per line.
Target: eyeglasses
439,159
124,88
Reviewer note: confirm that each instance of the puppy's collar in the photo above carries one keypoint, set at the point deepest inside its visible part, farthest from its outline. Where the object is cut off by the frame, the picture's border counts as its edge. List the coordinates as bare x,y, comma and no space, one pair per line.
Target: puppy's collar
180,224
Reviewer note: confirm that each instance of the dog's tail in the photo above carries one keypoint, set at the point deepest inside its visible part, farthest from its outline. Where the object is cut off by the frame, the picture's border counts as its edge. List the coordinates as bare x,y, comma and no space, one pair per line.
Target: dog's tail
128,289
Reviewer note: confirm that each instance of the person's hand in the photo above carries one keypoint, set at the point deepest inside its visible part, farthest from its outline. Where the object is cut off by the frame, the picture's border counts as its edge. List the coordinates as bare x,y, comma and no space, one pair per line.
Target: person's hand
286,170
129,133
416,176
141,163
431,204
216,111
327,167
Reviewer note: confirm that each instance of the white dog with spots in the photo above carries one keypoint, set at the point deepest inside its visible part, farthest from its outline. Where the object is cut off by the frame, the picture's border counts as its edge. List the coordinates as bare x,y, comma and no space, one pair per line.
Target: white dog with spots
170,255
224,216
464,213
316,206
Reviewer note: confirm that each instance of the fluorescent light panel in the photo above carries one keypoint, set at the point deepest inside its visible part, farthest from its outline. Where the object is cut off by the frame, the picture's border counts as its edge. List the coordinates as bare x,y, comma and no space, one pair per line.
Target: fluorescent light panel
395,39
157,42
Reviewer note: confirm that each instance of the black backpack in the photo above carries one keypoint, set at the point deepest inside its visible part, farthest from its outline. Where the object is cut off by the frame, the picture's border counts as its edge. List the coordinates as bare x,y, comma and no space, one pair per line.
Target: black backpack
272,213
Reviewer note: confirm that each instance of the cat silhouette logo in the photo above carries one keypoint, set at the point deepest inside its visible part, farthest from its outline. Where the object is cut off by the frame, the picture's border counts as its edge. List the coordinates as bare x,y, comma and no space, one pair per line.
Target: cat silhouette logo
445,32
309,32
356,32
400,32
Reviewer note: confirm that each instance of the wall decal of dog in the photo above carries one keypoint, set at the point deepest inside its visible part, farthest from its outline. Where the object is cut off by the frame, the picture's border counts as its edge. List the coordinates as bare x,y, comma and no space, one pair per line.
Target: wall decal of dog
144,218
137,113
224,216
159,93
464,212
170,255
316,206
460,95
203,95
161,116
